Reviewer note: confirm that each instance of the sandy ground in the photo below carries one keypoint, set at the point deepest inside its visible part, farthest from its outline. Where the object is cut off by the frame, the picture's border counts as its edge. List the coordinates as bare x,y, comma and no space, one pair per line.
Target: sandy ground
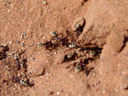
63,48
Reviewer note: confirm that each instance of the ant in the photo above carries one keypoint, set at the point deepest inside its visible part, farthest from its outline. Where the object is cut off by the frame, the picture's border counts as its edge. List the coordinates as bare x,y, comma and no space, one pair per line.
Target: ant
81,66
56,41
79,26
69,57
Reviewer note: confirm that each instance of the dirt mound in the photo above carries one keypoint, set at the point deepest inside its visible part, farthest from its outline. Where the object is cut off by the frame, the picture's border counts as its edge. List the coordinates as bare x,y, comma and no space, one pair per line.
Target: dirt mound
63,48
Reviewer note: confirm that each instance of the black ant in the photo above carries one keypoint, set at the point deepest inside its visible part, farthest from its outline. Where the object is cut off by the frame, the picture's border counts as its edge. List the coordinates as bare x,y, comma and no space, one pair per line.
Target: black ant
55,41
79,26
69,57
81,66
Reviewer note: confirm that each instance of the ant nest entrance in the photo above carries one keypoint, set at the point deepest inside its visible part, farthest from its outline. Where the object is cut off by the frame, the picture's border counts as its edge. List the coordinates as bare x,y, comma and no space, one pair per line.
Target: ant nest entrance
74,52
80,62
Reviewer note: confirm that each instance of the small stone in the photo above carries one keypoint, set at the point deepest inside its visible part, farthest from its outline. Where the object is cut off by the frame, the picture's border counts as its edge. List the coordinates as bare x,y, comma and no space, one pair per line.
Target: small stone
4,3
21,37
58,93
103,91
28,30
46,61
45,3
55,53
8,10
10,42
4,45
11,5
40,82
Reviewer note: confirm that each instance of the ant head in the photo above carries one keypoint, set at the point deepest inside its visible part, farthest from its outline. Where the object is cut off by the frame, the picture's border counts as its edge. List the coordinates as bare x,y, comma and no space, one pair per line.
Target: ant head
54,33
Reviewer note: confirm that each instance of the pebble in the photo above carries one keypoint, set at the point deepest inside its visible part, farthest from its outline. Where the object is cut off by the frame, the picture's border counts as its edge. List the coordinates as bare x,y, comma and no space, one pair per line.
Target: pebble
103,91
21,37
40,82
58,93
46,61
8,10
11,5
10,42
14,88
28,30
23,20
55,53
45,3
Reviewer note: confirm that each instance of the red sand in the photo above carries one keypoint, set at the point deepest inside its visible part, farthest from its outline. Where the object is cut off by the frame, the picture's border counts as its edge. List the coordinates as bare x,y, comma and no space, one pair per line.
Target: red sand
27,25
